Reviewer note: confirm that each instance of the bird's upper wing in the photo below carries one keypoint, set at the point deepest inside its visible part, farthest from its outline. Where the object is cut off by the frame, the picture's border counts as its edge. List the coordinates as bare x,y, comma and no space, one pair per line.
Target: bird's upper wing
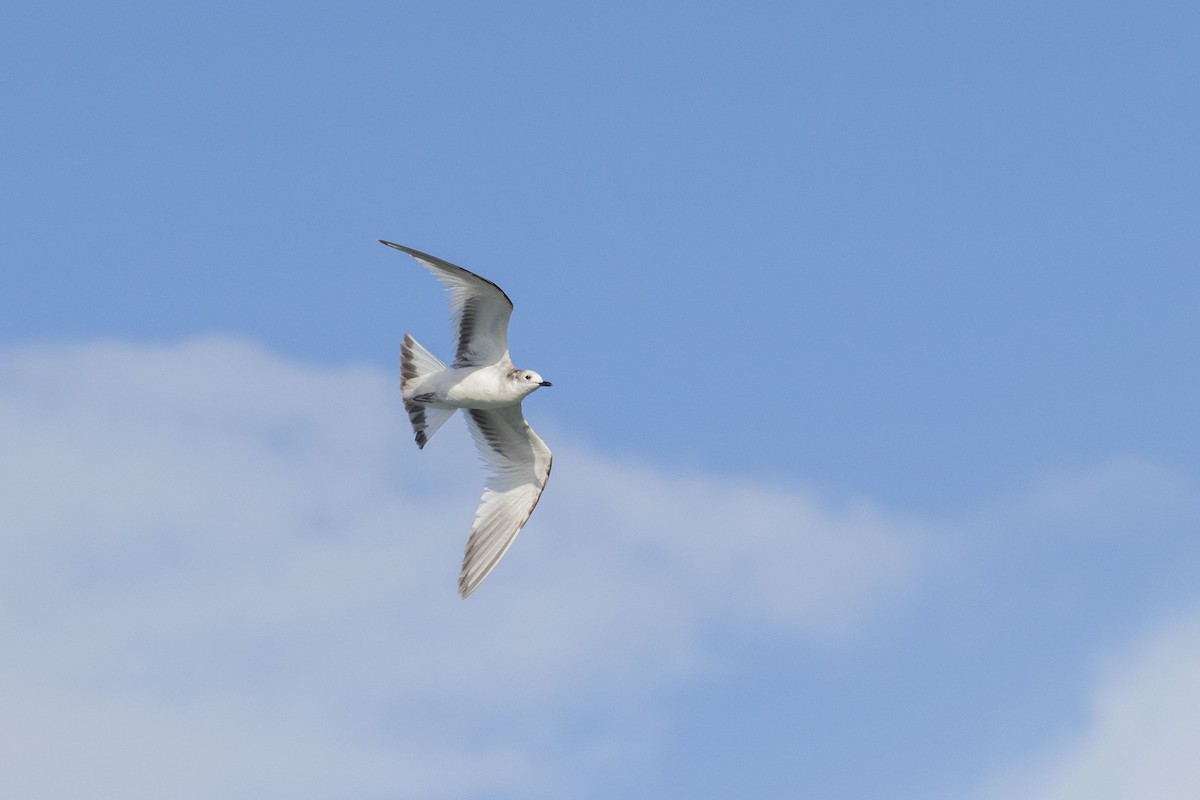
480,310
520,465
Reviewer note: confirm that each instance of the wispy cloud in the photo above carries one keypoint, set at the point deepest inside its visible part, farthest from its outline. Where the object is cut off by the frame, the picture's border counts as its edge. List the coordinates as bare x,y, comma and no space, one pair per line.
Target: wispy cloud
227,574
1139,736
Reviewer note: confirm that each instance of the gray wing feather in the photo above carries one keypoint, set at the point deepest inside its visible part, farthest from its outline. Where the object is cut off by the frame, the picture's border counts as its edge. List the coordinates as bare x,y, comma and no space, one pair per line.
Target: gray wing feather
479,309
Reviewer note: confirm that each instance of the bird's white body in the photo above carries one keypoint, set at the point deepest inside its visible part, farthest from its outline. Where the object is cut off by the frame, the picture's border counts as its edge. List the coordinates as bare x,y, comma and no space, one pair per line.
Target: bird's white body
482,382
470,387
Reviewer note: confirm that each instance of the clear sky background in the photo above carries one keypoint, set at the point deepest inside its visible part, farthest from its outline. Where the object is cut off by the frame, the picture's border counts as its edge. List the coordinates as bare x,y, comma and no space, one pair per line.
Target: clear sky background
873,334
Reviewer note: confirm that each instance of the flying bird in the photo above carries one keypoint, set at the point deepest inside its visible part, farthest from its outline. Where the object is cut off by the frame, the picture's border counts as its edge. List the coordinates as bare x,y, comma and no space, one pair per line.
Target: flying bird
483,382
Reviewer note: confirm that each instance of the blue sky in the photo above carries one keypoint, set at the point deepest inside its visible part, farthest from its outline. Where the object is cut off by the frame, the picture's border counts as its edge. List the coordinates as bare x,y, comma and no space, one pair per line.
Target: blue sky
873,335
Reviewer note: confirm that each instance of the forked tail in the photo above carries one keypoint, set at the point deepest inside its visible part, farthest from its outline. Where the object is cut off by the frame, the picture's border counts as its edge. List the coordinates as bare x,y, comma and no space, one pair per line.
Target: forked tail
416,364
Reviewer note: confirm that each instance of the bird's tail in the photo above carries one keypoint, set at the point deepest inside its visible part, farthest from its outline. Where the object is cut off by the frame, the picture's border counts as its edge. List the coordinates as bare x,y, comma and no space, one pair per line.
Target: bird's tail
416,364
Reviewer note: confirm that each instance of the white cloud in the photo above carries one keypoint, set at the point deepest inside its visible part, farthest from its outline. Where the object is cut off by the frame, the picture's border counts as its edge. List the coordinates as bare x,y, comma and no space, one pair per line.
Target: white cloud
225,574
1139,740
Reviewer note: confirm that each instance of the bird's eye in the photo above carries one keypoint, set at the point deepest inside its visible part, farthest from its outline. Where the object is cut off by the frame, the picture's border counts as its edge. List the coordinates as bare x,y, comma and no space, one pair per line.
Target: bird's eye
528,378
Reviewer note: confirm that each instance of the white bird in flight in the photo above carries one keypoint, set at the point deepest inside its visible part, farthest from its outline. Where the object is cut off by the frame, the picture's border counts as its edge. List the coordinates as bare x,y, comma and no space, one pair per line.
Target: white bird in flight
483,382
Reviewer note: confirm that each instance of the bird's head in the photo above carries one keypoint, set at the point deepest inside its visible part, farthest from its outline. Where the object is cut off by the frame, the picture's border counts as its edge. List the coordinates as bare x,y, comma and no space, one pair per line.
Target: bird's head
528,380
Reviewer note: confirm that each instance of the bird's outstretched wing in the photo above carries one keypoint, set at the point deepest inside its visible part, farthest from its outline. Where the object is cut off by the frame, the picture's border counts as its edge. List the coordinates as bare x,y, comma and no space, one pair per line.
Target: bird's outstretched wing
480,311
520,465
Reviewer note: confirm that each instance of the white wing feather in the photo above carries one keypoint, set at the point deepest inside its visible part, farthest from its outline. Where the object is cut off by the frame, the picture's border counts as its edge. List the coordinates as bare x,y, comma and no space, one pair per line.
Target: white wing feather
520,465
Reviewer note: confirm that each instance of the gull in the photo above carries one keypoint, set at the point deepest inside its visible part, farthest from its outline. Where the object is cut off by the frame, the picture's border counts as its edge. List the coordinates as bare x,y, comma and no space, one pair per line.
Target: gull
483,382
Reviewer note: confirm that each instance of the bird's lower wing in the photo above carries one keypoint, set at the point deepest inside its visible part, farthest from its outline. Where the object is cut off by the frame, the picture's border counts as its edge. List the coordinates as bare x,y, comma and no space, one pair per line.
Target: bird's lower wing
519,462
